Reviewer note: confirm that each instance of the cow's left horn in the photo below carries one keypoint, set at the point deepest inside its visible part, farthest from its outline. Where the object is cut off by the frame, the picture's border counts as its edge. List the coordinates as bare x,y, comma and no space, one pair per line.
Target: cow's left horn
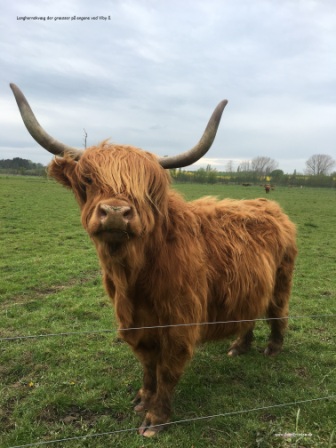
38,133
198,151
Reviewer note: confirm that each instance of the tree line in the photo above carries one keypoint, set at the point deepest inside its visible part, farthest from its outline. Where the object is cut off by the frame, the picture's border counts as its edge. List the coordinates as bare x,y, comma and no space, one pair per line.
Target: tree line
21,167
249,178
264,170
260,170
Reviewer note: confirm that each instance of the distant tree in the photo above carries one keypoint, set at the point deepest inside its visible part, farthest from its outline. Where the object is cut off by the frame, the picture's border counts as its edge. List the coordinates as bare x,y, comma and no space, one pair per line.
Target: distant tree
263,165
211,174
21,166
180,175
245,165
200,175
277,175
229,166
319,164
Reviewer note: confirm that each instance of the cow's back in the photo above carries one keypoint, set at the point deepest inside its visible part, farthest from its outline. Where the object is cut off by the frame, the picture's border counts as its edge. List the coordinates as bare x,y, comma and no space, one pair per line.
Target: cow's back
245,243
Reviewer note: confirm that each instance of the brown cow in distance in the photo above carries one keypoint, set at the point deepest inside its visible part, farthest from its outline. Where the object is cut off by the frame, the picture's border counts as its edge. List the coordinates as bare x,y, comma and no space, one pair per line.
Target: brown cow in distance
169,264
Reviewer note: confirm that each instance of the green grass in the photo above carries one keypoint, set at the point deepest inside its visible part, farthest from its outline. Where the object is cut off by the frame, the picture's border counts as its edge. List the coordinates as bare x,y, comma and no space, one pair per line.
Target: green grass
72,385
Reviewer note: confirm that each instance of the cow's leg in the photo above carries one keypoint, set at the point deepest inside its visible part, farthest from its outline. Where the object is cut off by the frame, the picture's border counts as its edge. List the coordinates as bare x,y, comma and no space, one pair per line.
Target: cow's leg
278,323
148,357
243,343
169,370
278,309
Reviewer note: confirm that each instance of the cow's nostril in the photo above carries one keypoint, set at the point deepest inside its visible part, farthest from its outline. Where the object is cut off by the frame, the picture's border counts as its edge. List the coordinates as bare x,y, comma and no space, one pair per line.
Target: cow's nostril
103,211
127,213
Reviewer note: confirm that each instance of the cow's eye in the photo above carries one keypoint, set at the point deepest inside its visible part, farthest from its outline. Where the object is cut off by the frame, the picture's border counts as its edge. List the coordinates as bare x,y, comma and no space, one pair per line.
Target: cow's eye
88,180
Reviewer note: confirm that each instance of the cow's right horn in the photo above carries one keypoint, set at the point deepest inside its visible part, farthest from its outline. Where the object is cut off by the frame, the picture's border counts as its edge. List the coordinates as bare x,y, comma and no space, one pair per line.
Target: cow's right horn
189,157
38,133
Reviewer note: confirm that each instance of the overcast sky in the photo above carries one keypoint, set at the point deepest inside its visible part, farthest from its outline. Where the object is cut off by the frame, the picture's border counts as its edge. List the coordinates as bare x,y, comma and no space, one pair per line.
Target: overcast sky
151,74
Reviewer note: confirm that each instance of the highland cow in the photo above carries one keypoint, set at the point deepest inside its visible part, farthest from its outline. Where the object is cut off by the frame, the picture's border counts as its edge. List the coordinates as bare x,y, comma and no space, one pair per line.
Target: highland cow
174,268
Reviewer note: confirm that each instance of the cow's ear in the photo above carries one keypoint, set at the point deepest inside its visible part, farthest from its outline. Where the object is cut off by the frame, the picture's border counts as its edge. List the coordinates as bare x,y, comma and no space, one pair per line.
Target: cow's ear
63,170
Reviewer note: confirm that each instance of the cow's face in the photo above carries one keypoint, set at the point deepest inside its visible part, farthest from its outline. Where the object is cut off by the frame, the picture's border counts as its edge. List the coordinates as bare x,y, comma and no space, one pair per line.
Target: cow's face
122,192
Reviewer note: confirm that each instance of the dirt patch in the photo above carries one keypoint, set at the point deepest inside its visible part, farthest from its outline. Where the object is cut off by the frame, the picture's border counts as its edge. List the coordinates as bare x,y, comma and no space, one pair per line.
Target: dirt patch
6,411
73,415
302,372
42,292
77,416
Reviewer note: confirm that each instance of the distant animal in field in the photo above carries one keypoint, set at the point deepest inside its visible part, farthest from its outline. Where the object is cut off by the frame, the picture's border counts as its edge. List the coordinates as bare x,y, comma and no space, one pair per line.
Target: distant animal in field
267,188
172,266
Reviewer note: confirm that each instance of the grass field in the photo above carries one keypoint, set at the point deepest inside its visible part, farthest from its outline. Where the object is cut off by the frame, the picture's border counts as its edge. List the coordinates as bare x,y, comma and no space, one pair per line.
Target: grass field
75,380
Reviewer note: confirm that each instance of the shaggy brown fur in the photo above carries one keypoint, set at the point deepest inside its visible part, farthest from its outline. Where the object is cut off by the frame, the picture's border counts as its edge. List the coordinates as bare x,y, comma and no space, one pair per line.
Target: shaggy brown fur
167,261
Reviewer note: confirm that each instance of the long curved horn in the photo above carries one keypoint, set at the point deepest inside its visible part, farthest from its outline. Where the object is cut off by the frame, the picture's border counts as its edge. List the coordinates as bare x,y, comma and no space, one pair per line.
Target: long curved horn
38,133
198,151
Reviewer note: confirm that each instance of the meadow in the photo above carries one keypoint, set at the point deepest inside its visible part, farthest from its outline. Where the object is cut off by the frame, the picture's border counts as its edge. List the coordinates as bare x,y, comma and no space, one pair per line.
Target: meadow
65,374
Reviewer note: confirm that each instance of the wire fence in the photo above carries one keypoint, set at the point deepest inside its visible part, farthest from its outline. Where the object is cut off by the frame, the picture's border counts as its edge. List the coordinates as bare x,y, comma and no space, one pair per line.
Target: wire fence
187,420
192,324
183,421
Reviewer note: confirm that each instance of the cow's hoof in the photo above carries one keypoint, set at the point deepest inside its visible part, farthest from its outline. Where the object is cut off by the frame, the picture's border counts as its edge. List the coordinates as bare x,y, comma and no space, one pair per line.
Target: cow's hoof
241,345
152,425
238,349
150,431
140,408
272,350
233,352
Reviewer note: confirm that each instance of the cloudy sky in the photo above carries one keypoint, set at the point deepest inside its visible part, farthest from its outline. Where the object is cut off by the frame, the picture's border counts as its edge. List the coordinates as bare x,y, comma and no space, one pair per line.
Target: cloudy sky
150,72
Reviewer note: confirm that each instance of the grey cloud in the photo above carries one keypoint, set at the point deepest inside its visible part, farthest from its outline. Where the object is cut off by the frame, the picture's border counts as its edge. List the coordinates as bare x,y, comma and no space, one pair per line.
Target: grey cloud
152,75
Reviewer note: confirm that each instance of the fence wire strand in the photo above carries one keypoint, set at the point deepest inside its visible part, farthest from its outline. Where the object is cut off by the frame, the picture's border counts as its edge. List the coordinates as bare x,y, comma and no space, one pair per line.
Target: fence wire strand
195,419
112,330
187,420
